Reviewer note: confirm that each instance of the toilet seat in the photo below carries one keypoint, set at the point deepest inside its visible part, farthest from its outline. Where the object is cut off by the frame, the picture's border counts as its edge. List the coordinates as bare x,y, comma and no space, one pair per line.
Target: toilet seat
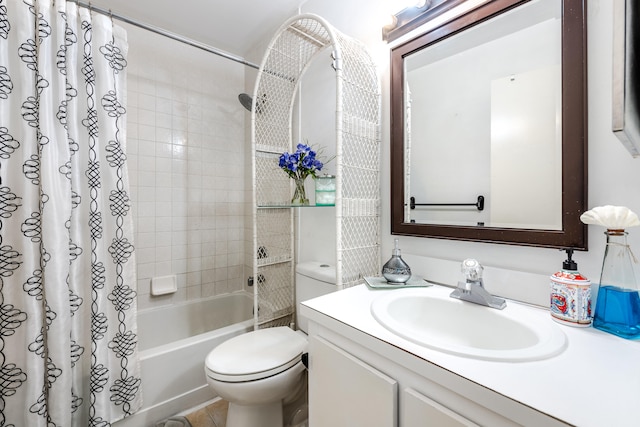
255,355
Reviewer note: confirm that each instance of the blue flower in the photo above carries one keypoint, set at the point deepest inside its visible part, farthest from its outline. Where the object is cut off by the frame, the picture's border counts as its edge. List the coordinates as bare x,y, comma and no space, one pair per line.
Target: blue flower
302,163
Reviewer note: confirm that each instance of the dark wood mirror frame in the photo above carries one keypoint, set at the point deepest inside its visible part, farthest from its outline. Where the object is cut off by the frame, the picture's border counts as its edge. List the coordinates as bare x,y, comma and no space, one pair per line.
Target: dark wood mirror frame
574,134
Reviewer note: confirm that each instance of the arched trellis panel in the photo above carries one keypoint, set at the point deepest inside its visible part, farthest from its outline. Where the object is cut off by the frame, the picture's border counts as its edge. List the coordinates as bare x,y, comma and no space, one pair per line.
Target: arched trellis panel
357,110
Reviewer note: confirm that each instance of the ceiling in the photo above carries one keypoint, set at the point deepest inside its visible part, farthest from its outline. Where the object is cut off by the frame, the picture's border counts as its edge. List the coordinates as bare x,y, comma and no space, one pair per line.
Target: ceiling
239,26
236,26
233,26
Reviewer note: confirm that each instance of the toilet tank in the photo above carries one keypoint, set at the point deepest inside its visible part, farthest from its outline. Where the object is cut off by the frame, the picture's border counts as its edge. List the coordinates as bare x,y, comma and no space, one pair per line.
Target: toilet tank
313,279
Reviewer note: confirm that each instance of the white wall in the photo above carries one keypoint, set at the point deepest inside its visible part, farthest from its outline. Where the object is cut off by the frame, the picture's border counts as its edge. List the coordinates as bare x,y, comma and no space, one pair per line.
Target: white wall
525,124
316,227
614,176
187,167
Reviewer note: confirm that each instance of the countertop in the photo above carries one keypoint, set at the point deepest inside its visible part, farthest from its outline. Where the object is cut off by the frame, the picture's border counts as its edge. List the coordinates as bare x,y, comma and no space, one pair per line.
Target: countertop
595,381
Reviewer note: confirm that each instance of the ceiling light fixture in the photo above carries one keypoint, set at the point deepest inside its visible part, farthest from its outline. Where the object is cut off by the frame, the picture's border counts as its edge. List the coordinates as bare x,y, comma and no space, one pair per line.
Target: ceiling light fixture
412,17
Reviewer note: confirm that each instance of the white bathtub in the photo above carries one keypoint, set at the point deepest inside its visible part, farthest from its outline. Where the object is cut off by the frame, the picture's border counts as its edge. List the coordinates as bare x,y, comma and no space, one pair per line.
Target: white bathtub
174,342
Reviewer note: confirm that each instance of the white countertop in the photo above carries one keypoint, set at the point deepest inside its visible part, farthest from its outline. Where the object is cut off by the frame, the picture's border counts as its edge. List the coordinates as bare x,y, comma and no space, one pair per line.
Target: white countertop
595,381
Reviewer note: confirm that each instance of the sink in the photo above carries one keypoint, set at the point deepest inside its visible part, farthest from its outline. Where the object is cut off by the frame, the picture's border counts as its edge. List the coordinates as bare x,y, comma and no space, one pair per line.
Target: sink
430,318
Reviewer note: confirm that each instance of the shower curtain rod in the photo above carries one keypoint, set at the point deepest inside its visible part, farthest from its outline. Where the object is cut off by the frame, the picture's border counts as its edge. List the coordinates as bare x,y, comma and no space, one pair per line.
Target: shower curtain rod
166,33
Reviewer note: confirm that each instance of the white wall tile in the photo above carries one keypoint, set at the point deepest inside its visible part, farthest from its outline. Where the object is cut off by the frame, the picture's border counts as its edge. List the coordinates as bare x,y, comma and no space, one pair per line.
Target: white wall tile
147,225
146,101
146,86
162,269
220,260
163,238
179,266
146,179
179,237
162,223
163,253
163,209
163,164
208,262
146,163
164,105
194,292
147,133
147,117
179,166
145,255
182,151
163,180
194,278
164,135
146,209
180,123
146,270
208,289
162,119
146,194
132,119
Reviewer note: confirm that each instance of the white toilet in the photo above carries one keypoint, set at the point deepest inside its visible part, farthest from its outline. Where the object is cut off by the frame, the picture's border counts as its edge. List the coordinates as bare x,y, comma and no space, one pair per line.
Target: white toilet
255,371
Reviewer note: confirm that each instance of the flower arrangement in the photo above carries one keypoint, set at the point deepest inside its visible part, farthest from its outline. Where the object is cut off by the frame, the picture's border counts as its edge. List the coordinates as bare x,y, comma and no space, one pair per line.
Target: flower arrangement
302,163
299,165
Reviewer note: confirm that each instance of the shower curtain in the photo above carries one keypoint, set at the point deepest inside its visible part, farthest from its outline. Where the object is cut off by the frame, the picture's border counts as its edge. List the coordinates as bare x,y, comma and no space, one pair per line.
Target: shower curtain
68,344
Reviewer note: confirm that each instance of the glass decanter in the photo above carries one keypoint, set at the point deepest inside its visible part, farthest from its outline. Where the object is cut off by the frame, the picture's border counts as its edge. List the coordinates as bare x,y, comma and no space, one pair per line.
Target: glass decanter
396,271
618,303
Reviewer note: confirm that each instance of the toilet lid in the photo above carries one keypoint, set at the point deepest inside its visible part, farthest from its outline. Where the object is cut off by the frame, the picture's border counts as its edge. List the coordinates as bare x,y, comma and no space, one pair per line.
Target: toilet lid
255,355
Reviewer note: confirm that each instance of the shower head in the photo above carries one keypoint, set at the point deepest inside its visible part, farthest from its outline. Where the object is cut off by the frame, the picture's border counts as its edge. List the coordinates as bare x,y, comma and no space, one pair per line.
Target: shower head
245,100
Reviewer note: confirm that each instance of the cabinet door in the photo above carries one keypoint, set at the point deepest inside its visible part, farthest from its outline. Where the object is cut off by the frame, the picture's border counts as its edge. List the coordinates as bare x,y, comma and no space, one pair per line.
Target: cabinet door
346,392
420,411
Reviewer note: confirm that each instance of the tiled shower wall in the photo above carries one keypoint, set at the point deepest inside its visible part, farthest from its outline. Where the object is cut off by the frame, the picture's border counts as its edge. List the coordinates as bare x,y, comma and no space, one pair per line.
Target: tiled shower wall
187,165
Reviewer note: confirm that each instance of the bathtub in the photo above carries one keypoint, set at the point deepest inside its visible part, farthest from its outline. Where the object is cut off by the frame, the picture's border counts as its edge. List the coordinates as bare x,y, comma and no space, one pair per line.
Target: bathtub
173,343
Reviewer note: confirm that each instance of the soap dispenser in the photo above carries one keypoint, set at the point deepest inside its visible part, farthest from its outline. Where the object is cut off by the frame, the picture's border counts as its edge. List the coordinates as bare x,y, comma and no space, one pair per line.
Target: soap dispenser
396,271
571,295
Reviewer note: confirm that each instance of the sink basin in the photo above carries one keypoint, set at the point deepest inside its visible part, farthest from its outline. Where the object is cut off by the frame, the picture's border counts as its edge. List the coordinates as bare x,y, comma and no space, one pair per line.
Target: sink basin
430,318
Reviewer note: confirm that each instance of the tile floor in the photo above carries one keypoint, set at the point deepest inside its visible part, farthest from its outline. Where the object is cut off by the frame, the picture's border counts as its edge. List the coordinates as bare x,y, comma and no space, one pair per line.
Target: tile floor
213,415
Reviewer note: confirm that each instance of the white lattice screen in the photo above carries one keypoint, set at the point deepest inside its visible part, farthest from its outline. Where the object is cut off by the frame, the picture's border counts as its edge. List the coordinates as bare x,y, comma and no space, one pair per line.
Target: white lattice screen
291,50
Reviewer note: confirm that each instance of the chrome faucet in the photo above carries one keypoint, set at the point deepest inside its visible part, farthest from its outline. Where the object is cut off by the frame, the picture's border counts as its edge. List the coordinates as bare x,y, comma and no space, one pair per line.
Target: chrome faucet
472,289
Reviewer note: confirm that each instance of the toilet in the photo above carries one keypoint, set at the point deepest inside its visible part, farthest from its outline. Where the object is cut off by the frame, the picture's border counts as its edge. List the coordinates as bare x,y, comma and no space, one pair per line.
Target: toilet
256,371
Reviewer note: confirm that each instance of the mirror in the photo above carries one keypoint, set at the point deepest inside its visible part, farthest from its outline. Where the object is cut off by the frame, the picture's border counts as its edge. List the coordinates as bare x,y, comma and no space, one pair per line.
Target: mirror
488,126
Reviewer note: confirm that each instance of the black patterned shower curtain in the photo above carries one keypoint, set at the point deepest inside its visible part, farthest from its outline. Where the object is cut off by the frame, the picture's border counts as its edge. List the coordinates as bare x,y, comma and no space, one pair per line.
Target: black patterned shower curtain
68,344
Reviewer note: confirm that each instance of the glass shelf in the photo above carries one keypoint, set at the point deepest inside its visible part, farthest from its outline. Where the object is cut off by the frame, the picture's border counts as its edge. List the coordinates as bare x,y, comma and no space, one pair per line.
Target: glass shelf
294,206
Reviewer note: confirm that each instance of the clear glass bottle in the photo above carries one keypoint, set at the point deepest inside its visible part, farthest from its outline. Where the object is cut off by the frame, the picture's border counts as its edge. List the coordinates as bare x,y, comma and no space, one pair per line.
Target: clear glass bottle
396,271
618,303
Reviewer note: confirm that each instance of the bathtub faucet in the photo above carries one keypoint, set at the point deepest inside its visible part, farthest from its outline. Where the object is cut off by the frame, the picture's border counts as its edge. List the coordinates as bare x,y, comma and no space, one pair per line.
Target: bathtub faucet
472,288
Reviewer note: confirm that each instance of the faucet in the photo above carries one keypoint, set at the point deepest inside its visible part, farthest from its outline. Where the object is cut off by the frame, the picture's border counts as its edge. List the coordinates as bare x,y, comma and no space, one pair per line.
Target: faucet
472,289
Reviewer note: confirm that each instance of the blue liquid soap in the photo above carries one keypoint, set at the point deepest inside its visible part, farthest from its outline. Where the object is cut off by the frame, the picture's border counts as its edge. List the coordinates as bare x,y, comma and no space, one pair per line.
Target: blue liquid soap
618,312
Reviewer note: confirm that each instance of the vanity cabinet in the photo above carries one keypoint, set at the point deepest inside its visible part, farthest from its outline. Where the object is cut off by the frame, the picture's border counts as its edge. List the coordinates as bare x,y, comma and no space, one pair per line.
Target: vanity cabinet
347,391
419,410
358,380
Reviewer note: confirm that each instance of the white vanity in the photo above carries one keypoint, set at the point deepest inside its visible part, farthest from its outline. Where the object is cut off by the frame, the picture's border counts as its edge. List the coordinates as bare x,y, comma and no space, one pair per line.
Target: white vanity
362,374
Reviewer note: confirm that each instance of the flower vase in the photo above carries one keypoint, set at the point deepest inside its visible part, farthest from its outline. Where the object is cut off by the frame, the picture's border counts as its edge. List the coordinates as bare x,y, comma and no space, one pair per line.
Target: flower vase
299,195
